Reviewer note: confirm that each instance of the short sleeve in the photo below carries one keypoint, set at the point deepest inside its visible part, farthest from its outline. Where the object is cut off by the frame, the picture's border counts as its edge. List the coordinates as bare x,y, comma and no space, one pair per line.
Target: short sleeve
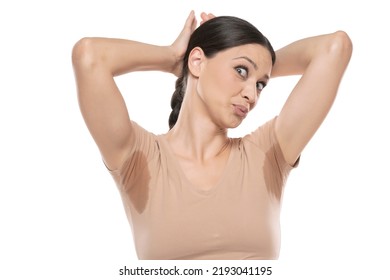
144,149
265,139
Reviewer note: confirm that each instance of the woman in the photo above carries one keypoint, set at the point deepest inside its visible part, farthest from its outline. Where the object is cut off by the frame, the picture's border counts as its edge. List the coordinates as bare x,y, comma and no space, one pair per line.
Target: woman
195,193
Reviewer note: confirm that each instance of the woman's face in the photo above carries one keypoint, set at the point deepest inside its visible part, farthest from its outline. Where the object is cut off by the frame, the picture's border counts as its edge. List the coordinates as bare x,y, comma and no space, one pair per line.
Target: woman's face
231,82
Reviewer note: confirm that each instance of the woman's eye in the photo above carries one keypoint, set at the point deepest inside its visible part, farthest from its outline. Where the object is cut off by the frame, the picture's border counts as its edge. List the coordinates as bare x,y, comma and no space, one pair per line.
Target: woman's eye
260,86
242,71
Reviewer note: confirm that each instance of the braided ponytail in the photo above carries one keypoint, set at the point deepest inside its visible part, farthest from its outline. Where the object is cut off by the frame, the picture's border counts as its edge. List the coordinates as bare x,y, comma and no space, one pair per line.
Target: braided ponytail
177,99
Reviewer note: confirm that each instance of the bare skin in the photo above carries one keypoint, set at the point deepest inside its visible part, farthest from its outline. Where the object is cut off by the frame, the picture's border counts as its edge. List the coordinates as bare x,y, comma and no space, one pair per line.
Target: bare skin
199,138
215,87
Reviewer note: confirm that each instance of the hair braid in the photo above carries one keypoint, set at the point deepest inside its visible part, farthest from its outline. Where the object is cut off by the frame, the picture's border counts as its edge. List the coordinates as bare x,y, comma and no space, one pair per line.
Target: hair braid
176,100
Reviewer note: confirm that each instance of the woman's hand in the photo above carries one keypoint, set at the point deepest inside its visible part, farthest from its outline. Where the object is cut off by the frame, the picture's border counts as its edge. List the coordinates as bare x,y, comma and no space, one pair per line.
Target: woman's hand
205,17
180,45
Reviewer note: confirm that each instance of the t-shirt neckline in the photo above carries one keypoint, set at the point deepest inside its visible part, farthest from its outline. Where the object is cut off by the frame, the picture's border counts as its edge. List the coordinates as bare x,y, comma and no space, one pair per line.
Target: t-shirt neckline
183,176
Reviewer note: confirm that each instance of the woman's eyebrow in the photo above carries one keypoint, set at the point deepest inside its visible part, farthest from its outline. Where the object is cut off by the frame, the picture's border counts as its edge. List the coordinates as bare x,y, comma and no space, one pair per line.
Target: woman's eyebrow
254,65
249,60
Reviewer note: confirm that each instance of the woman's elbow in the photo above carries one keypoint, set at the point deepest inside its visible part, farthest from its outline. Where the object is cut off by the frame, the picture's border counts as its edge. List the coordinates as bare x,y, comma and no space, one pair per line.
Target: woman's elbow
83,54
341,44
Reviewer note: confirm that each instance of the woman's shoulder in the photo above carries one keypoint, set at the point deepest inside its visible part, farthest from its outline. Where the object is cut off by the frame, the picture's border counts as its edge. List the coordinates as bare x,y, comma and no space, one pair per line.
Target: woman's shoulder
263,135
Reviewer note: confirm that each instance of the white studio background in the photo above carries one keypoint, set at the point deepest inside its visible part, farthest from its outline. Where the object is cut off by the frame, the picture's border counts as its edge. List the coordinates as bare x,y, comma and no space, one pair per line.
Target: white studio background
61,216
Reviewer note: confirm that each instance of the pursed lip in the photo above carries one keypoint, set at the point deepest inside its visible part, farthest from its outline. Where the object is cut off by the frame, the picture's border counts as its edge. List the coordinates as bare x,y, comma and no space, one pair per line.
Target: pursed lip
240,110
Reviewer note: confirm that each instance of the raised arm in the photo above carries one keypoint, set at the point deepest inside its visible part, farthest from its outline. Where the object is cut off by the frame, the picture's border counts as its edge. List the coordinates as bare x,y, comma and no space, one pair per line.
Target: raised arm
96,61
321,61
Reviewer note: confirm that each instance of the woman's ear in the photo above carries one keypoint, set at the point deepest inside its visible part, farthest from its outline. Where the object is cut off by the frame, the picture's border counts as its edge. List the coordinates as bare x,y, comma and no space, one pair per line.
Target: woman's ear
195,60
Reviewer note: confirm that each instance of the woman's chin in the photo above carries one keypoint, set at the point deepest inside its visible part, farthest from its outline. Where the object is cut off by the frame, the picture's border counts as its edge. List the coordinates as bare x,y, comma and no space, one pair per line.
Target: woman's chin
235,124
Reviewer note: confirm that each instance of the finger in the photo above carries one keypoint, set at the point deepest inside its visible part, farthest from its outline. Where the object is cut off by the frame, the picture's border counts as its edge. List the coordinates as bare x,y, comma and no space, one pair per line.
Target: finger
190,24
190,20
193,25
205,17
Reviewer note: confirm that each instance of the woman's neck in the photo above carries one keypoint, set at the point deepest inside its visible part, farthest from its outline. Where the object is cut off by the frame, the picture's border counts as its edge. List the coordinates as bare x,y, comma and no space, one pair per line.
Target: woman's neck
195,136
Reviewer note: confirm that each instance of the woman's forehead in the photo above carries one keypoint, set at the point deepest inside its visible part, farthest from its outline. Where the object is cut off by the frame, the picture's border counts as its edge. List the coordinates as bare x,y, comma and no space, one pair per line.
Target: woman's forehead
255,54
254,50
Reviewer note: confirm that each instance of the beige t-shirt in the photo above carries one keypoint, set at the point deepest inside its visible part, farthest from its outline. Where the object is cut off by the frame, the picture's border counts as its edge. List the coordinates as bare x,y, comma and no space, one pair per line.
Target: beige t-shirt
237,219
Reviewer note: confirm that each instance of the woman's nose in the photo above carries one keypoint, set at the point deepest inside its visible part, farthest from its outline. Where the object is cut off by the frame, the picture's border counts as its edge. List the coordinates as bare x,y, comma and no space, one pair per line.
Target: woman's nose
250,93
